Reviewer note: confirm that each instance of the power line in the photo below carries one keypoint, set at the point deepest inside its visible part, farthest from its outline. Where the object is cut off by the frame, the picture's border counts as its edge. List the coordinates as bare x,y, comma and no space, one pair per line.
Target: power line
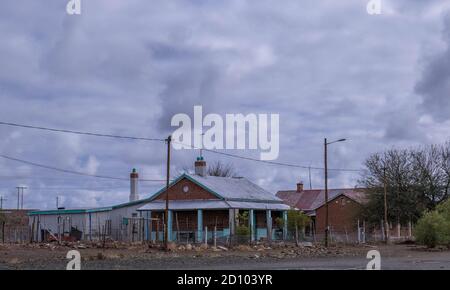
72,171
267,161
80,132
164,140
76,188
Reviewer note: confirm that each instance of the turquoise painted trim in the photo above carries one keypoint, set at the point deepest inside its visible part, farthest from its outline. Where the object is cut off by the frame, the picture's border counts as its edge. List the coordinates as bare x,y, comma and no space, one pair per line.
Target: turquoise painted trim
65,211
169,226
252,224
69,211
101,209
90,227
285,224
269,223
155,195
199,225
184,175
147,228
145,200
261,233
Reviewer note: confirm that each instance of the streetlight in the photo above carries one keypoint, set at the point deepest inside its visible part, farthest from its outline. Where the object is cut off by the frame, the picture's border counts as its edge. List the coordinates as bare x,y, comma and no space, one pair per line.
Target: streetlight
326,143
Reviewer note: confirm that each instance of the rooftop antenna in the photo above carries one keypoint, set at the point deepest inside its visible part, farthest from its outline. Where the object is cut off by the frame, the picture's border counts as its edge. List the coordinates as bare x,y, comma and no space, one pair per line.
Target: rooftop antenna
309,173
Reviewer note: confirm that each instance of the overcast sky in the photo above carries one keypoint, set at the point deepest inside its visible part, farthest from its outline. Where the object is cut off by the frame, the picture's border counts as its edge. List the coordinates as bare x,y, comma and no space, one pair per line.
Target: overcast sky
126,67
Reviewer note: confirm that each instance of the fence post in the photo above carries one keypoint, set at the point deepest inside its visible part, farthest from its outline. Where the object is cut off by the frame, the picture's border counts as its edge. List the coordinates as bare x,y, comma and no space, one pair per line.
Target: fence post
364,232
359,233
409,229
215,237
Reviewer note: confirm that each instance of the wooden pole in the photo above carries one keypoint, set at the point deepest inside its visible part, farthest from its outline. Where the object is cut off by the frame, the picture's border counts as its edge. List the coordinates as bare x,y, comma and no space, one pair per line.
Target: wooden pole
178,227
166,225
326,192
386,227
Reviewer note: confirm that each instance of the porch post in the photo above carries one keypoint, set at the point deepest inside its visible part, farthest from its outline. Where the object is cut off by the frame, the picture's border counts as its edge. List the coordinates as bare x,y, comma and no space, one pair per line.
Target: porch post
231,221
199,225
147,221
269,224
285,225
252,224
169,226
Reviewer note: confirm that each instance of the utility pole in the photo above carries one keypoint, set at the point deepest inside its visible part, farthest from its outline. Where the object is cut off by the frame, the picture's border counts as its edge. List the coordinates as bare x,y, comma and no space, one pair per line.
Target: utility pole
166,216
327,227
326,192
57,202
386,223
1,201
18,197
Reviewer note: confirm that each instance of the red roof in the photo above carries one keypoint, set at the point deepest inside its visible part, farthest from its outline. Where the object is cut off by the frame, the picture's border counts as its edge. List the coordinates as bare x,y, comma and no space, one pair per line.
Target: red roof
308,200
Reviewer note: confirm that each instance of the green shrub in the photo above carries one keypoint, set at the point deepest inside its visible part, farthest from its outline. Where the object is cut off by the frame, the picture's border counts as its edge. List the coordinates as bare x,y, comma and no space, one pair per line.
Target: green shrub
433,228
242,231
242,228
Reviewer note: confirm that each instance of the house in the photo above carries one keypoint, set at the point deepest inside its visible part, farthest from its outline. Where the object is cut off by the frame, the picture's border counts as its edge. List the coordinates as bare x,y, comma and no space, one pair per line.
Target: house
90,223
220,205
344,208
199,206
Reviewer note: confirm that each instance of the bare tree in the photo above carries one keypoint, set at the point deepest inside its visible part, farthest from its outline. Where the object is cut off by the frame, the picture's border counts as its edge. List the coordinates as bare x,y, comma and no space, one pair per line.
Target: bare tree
428,175
416,179
222,170
396,169
445,167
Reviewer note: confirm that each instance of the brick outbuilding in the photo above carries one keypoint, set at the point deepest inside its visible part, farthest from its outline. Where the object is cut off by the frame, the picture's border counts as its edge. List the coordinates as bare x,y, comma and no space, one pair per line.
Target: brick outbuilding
344,208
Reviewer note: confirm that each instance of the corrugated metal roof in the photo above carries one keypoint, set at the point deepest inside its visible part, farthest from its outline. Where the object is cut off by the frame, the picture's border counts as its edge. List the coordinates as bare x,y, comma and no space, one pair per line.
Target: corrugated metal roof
258,205
212,204
186,205
227,188
235,188
69,211
312,199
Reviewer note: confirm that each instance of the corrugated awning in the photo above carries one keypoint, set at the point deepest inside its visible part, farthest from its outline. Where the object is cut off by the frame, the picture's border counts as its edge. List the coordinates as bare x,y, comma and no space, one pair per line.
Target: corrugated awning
212,204
258,205
186,205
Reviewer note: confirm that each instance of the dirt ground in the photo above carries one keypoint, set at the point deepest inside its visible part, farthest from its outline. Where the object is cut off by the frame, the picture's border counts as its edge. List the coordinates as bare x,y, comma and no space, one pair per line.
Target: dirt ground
260,257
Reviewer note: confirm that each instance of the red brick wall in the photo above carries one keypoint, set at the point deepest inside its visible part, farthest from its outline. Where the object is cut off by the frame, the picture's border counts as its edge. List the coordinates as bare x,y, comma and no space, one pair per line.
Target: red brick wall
195,192
343,214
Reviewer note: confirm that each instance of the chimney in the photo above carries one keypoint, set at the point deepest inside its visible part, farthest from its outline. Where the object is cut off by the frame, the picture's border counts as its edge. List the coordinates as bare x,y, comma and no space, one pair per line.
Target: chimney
134,185
200,166
300,186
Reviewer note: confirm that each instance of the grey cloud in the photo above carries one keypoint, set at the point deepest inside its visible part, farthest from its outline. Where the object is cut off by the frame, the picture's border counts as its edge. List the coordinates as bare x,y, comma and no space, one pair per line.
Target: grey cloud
434,86
126,67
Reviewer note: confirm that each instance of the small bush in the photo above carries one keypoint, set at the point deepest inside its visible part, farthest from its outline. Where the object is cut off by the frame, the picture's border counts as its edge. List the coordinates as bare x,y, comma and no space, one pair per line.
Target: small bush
433,228
243,231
